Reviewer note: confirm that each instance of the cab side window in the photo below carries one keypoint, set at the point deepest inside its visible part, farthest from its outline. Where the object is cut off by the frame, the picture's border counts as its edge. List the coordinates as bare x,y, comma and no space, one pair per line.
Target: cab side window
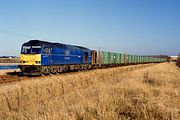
67,52
46,50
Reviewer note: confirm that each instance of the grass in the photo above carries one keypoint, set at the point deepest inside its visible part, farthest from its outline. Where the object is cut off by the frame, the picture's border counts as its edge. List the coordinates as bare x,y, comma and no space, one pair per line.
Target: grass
104,94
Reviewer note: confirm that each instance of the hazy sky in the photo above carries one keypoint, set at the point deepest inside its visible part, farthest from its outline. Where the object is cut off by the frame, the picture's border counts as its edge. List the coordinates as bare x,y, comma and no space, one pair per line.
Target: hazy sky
127,26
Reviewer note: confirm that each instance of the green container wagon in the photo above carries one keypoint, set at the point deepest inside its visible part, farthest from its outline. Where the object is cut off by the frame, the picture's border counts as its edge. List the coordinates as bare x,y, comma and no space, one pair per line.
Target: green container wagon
154,59
140,59
151,59
136,59
105,58
143,59
129,59
122,59
133,59
112,58
117,58
147,60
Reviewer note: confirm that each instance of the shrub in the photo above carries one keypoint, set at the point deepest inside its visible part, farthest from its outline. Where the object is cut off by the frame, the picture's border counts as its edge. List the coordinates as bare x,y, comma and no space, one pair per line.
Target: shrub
178,61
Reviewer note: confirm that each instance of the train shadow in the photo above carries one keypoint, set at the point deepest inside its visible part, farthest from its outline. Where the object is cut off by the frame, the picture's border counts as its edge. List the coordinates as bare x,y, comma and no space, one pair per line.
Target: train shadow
20,74
15,73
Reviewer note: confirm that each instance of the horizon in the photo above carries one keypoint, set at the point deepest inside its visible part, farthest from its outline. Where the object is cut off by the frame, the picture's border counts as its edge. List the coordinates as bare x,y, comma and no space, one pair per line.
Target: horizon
126,26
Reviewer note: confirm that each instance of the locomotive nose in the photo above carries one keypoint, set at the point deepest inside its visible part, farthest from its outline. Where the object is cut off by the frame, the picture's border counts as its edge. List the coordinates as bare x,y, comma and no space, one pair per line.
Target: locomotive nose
30,59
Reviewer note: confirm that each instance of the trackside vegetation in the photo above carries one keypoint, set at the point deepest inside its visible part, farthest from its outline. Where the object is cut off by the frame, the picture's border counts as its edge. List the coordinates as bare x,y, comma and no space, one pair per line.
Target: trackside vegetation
178,61
131,92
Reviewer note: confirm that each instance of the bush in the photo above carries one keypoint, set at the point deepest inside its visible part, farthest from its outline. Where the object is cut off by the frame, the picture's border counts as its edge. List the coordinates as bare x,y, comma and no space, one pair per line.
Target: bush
178,61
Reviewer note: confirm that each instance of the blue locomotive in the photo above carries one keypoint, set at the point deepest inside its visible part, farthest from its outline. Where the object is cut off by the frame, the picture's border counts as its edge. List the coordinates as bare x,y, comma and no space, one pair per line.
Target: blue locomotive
46,57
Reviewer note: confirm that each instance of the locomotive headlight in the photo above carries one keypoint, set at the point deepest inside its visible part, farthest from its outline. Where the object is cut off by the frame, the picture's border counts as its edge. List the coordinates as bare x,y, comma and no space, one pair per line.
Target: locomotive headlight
37,62
22,61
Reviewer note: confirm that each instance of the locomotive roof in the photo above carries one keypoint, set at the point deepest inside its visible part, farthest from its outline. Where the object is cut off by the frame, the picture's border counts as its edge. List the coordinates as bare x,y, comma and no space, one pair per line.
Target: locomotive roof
50,44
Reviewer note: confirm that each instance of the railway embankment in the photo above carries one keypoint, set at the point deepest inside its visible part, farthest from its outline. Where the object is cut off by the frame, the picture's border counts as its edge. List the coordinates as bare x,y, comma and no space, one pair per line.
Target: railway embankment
114,93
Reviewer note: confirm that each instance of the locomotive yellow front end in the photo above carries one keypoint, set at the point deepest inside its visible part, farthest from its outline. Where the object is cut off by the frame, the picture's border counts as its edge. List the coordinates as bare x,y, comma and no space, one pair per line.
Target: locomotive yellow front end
30,60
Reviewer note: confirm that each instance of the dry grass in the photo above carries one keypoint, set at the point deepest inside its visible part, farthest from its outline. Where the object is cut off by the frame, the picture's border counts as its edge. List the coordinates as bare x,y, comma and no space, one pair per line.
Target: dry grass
106,94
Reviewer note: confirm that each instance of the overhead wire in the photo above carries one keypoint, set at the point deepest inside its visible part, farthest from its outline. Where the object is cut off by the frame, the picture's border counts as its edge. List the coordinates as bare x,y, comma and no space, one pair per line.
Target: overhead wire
15,33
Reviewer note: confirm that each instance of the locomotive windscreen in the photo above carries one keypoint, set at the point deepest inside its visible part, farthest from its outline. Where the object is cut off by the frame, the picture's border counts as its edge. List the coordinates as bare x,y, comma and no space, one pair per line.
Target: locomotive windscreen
31,49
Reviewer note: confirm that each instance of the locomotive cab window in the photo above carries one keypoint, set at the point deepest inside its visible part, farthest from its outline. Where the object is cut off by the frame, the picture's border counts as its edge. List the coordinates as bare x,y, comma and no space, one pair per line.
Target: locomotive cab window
26,50
46,50
36,50
31,49
67,52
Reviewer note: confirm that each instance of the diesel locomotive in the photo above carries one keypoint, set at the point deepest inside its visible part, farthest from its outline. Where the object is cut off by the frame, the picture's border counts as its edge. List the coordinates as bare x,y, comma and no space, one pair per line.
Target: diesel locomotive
41,57
45,57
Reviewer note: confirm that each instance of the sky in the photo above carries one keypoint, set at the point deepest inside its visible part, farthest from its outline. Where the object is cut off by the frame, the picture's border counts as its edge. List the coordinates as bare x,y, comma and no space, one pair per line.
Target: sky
141,27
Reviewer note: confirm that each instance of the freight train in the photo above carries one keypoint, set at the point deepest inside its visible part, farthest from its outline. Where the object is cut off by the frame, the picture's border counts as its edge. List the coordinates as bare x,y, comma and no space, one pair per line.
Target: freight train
41,57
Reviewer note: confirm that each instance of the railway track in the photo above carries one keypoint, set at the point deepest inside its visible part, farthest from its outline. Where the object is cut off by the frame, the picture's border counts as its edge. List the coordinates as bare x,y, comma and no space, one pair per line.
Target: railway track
17,76
11,78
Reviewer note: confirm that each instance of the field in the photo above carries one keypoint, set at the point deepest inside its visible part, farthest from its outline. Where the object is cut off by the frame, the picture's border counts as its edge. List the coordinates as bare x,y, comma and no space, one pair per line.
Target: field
148,93
9,60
